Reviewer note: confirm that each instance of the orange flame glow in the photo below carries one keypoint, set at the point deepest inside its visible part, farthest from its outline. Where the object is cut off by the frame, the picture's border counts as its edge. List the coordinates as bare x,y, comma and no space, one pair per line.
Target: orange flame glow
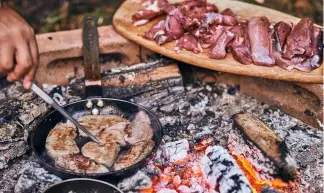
180,172
253,178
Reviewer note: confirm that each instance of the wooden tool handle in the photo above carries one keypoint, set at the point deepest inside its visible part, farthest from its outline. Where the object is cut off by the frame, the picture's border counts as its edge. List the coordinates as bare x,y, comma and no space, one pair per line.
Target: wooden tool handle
68,45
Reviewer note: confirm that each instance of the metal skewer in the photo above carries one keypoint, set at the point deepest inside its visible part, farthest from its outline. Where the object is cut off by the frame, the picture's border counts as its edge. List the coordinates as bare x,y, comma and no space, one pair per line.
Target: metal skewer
56,106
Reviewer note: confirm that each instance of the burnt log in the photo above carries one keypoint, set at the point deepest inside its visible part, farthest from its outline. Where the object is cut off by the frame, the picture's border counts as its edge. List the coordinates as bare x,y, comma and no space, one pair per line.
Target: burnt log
153,84
269,142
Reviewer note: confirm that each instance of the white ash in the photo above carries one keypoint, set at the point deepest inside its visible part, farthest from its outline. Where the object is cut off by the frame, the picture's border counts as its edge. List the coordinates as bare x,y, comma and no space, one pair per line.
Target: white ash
168,108
136,182
183,106
191,127
177,150
25,176
15,90
279,121
7,131
205,132
209,88
2,96
27,96
34,111
168,120
34,179
15,150
196,109
264,168
220,169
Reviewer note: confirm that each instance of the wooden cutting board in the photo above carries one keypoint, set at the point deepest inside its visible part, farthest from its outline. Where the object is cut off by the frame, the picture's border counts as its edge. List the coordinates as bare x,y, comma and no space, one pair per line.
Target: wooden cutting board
122,22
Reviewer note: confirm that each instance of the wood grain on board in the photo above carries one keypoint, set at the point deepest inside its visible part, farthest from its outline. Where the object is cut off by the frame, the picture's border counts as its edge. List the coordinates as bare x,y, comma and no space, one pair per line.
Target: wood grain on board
123,24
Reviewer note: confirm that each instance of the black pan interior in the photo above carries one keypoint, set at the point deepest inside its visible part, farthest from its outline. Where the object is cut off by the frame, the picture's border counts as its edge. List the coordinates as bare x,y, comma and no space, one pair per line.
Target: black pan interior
82,186
78,109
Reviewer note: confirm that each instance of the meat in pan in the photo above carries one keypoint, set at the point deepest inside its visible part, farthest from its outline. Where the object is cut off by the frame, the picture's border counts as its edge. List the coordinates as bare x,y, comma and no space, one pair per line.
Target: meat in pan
60,141
96,123
104,154
135,154
114,133
79,164
111,138
140,129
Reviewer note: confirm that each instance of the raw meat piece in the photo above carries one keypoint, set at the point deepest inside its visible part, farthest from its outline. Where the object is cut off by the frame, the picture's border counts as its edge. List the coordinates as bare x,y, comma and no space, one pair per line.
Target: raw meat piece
239,49
218,19
260,38
316,60
218,50
299,41
283,29
228,12
188,42
157,30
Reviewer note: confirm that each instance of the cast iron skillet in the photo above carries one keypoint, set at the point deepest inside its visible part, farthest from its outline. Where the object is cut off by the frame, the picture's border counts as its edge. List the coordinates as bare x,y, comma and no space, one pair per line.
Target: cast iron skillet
82,185
93,90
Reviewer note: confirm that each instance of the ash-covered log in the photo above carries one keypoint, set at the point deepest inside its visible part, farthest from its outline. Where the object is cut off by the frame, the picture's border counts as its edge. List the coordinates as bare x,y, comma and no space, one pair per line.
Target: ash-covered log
157,82
138,182
269,142
175,151
222,173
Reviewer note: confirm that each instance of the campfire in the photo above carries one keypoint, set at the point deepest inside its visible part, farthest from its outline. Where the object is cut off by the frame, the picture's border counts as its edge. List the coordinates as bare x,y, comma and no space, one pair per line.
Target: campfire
203,166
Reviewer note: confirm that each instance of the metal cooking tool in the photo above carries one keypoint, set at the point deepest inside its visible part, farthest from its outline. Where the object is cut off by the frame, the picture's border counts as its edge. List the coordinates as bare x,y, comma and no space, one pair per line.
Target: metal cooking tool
82,185
56,106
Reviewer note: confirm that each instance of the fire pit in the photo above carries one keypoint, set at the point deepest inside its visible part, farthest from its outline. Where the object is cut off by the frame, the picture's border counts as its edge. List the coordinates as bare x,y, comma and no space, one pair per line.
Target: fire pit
202,151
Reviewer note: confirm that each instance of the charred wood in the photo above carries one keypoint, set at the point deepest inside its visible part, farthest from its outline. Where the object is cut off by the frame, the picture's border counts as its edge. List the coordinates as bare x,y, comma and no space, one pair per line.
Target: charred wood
269,142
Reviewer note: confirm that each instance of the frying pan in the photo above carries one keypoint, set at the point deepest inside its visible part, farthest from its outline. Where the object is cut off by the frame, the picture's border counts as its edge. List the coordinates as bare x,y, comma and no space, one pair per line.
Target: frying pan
77,109
82,185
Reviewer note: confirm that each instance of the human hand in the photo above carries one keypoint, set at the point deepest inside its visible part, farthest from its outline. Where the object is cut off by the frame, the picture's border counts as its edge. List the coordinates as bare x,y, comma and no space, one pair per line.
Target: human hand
18,48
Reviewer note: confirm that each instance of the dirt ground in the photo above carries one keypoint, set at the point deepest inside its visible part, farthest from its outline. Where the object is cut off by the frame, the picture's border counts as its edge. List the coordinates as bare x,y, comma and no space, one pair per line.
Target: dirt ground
57,15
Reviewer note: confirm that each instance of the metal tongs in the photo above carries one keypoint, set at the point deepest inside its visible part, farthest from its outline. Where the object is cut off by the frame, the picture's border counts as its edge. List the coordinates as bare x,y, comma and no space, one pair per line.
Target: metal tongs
56,106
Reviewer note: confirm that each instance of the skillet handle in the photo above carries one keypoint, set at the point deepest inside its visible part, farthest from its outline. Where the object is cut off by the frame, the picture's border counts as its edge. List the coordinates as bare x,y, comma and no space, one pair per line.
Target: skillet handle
61,54
91,57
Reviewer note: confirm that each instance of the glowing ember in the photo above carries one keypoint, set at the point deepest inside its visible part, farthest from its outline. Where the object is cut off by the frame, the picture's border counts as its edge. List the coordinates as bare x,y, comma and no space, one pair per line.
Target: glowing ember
257,168
208,169
256,183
